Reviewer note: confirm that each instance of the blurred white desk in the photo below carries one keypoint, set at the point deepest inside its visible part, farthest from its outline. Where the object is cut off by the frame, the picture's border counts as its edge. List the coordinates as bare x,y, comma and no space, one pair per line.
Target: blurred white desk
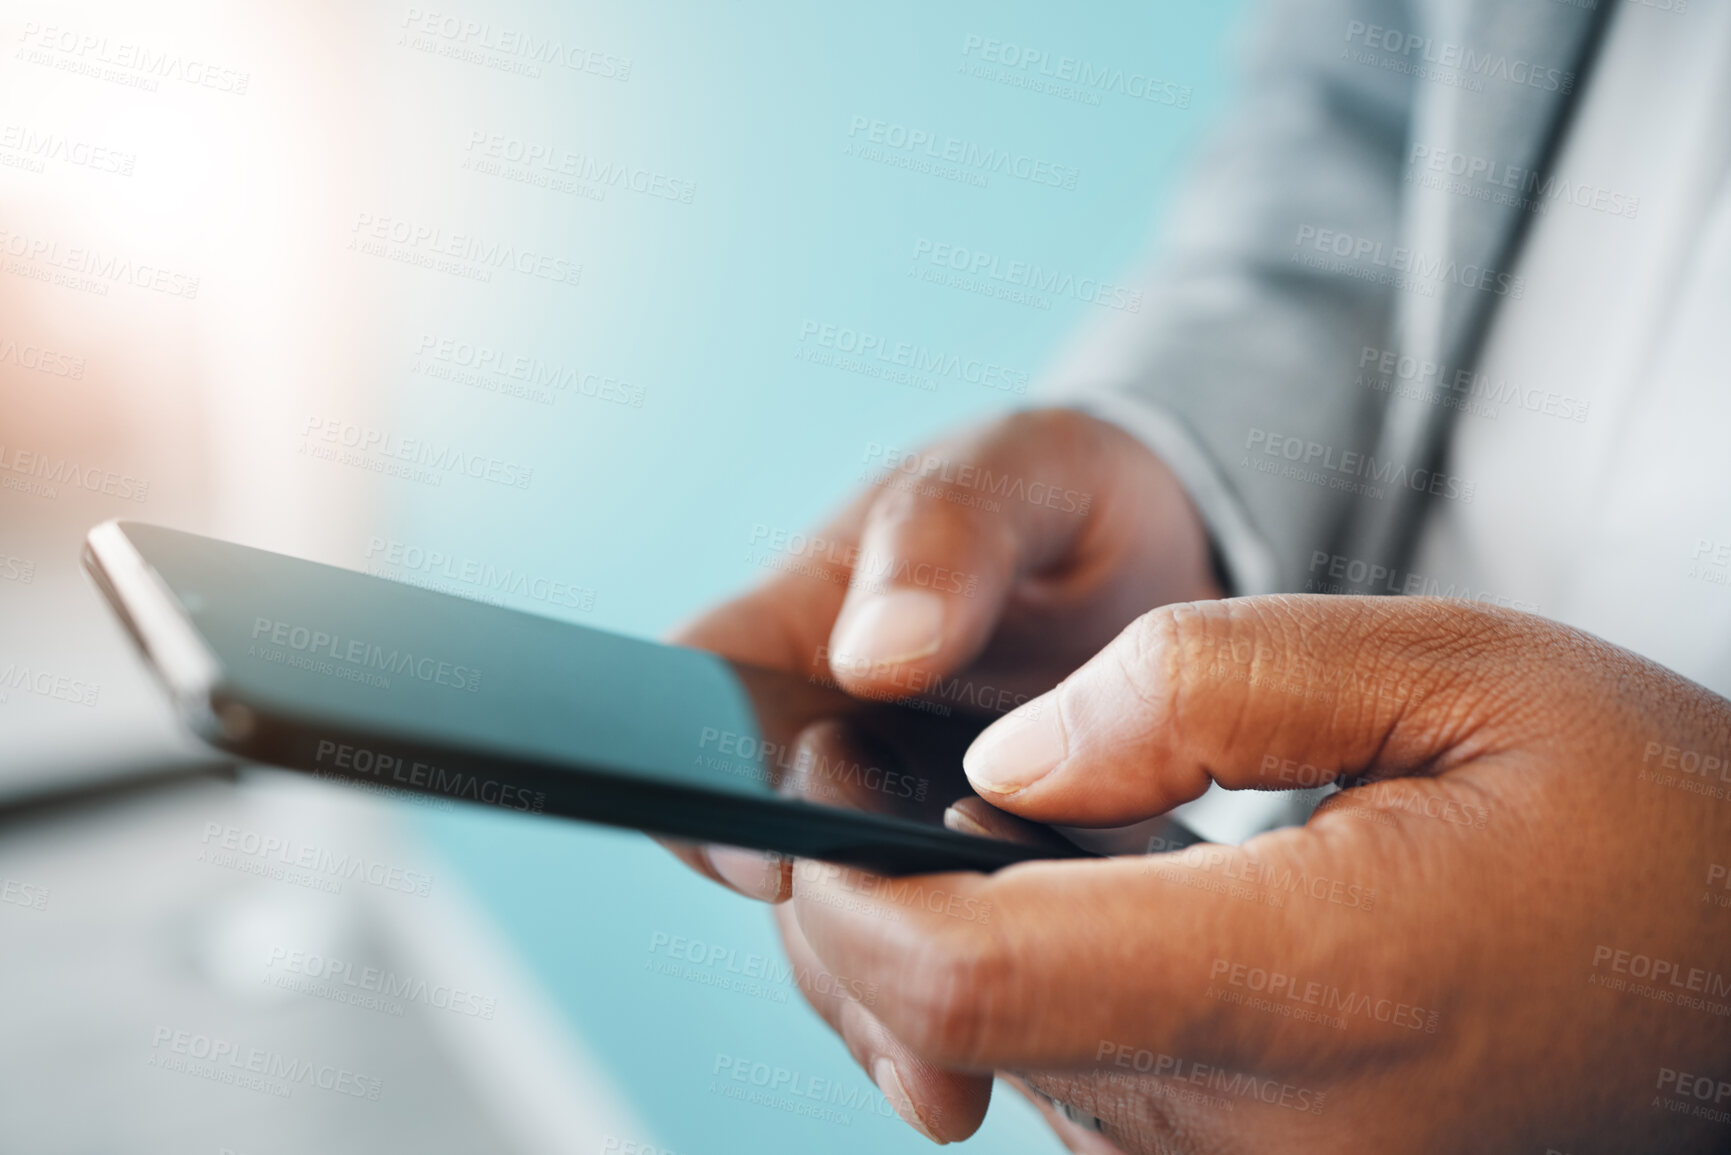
150,938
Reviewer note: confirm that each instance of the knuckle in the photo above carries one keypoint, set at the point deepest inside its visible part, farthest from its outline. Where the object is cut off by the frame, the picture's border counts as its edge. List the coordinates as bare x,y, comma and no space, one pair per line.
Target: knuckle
1146,643
948,519
957,983
936,501
1424,630
1158,651
1453,660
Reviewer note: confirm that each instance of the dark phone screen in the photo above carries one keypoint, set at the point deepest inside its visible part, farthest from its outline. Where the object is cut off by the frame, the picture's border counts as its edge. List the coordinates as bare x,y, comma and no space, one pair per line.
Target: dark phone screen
364,654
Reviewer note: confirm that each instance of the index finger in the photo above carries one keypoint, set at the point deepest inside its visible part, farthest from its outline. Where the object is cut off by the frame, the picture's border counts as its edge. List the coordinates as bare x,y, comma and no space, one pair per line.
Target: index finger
1000,972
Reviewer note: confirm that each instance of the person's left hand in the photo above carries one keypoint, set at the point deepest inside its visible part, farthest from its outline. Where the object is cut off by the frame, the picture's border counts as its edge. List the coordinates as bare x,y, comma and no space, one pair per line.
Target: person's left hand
1508,935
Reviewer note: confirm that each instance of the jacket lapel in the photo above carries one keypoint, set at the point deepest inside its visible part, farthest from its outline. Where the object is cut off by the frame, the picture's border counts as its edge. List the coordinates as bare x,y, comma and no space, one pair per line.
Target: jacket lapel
1505,76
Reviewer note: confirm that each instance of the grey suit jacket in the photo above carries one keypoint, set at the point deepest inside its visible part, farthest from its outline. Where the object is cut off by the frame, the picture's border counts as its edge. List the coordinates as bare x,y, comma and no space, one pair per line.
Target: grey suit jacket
1309,252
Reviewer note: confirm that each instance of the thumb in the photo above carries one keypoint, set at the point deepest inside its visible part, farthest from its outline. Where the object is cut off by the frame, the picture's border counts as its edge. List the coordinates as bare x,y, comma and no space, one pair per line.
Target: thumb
945,541
1265,693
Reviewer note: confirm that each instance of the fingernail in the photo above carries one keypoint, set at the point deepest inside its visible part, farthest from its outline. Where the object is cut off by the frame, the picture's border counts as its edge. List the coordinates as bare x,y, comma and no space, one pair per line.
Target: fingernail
889,1081
964,823
1018,749
754,873
886,629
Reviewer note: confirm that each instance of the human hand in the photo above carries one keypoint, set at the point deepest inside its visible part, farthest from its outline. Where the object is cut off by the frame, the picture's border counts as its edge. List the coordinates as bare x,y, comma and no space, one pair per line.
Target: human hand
987,570
1502,938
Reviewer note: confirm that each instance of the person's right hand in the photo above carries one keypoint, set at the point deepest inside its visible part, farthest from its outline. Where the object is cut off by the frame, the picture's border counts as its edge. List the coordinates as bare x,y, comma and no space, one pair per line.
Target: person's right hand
980,573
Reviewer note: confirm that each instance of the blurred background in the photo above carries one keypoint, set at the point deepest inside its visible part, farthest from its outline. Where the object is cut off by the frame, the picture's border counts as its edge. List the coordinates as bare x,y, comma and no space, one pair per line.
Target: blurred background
652,263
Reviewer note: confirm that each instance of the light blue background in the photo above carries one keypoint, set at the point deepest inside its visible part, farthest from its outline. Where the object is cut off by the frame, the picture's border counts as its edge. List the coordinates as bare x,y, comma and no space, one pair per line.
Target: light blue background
702,307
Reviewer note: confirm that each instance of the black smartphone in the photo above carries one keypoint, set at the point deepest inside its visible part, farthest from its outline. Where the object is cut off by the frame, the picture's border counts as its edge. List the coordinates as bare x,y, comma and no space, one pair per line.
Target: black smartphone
354,677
